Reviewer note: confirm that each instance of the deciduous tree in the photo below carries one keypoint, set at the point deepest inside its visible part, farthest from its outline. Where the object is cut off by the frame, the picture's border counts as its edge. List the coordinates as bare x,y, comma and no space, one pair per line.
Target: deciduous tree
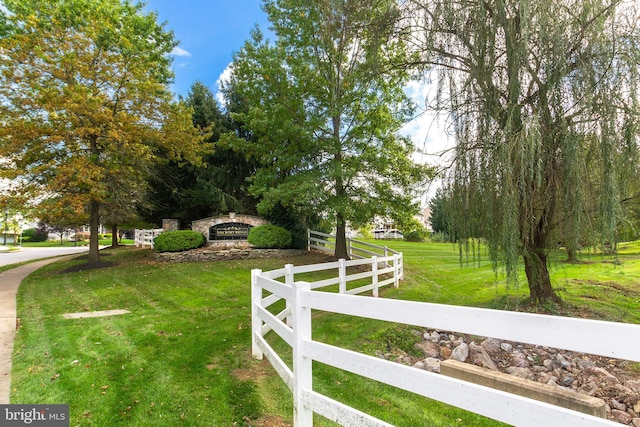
324,103
543,97
84,99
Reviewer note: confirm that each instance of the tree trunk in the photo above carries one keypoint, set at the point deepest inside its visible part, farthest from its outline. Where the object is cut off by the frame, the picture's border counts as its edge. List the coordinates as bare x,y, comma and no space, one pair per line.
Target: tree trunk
114,236
572,255
341,239
535,266
94,224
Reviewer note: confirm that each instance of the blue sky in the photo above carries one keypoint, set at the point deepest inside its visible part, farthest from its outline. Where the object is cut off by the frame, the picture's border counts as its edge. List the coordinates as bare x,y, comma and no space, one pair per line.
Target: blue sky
209,31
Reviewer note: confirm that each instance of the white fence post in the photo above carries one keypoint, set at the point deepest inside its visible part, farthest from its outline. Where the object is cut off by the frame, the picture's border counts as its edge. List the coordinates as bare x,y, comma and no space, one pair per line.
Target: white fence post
342,275
256,321
349,248
374,275
302,373
396,270
386,254
288,280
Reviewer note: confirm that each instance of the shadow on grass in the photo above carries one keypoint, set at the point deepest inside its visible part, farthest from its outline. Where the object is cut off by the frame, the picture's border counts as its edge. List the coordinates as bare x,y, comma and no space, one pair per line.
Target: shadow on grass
86,266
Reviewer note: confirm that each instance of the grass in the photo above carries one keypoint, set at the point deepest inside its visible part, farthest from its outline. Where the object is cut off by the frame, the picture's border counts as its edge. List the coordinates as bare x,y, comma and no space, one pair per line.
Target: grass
67,244
182,357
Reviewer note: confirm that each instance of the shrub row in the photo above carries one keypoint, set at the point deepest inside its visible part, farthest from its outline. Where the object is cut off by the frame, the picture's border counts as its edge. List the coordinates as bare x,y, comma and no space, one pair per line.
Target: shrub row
178,241
269,237
262,237
34,235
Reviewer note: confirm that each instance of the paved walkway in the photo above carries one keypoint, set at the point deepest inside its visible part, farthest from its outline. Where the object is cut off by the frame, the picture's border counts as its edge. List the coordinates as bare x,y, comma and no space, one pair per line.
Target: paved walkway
9,282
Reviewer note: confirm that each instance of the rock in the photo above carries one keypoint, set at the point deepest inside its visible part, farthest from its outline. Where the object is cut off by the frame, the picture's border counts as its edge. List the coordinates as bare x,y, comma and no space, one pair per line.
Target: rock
589,388
429,348
602,374
636,422
505,346
404,359
584,364
560,358
567,381
591,375
621,416
460,353
481,357
520,372
544,378
617,405
519,360
491,345
430,364
445,352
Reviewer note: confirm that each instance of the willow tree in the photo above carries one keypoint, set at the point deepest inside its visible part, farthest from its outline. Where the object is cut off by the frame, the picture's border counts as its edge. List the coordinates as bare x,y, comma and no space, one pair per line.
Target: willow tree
324,106
544,105
84,102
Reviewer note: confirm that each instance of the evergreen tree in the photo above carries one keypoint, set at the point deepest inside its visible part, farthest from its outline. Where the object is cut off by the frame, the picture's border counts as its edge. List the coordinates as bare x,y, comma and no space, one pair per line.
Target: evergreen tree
218,185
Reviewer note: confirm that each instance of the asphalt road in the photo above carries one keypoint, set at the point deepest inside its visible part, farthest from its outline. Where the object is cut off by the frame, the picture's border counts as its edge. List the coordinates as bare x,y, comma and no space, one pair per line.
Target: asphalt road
28,254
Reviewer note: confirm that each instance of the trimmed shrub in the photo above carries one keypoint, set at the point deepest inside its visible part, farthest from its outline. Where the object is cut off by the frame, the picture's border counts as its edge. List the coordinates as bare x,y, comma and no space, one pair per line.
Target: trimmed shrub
269,237
34,235
178,241
416,236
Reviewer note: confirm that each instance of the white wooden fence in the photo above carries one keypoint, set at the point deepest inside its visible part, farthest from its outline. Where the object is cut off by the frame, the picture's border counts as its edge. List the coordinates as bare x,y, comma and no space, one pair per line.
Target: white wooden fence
356,249
144,238
616,340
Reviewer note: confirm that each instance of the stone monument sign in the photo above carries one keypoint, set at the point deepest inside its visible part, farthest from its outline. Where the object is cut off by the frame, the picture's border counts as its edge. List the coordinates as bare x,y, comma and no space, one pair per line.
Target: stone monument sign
170,225
229,230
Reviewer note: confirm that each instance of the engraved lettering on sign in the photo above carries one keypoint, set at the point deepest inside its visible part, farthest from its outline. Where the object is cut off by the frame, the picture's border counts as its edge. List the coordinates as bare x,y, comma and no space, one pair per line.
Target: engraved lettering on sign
229,231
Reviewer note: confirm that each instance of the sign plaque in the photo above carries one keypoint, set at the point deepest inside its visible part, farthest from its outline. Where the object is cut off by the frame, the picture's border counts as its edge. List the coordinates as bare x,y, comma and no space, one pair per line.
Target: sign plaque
229,231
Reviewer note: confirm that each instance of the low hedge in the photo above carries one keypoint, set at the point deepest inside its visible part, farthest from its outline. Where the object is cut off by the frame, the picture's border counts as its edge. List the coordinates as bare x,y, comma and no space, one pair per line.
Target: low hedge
34,235
416,236
269,237
178,241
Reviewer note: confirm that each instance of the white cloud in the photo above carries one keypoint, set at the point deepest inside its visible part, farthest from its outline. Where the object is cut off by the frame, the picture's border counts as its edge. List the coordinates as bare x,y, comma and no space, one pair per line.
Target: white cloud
178,51
428,129
223,79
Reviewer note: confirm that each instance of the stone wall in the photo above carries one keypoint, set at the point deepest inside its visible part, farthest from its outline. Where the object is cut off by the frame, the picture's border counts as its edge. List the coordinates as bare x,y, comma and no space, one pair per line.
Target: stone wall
203,225
210,254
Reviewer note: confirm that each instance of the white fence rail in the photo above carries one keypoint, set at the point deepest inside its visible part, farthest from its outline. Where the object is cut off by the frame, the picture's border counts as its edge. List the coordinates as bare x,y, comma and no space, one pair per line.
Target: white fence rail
356,249
616,340
144,238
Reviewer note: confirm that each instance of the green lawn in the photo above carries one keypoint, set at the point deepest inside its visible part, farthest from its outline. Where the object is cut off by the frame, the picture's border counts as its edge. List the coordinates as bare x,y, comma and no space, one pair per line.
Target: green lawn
66,243
182,357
